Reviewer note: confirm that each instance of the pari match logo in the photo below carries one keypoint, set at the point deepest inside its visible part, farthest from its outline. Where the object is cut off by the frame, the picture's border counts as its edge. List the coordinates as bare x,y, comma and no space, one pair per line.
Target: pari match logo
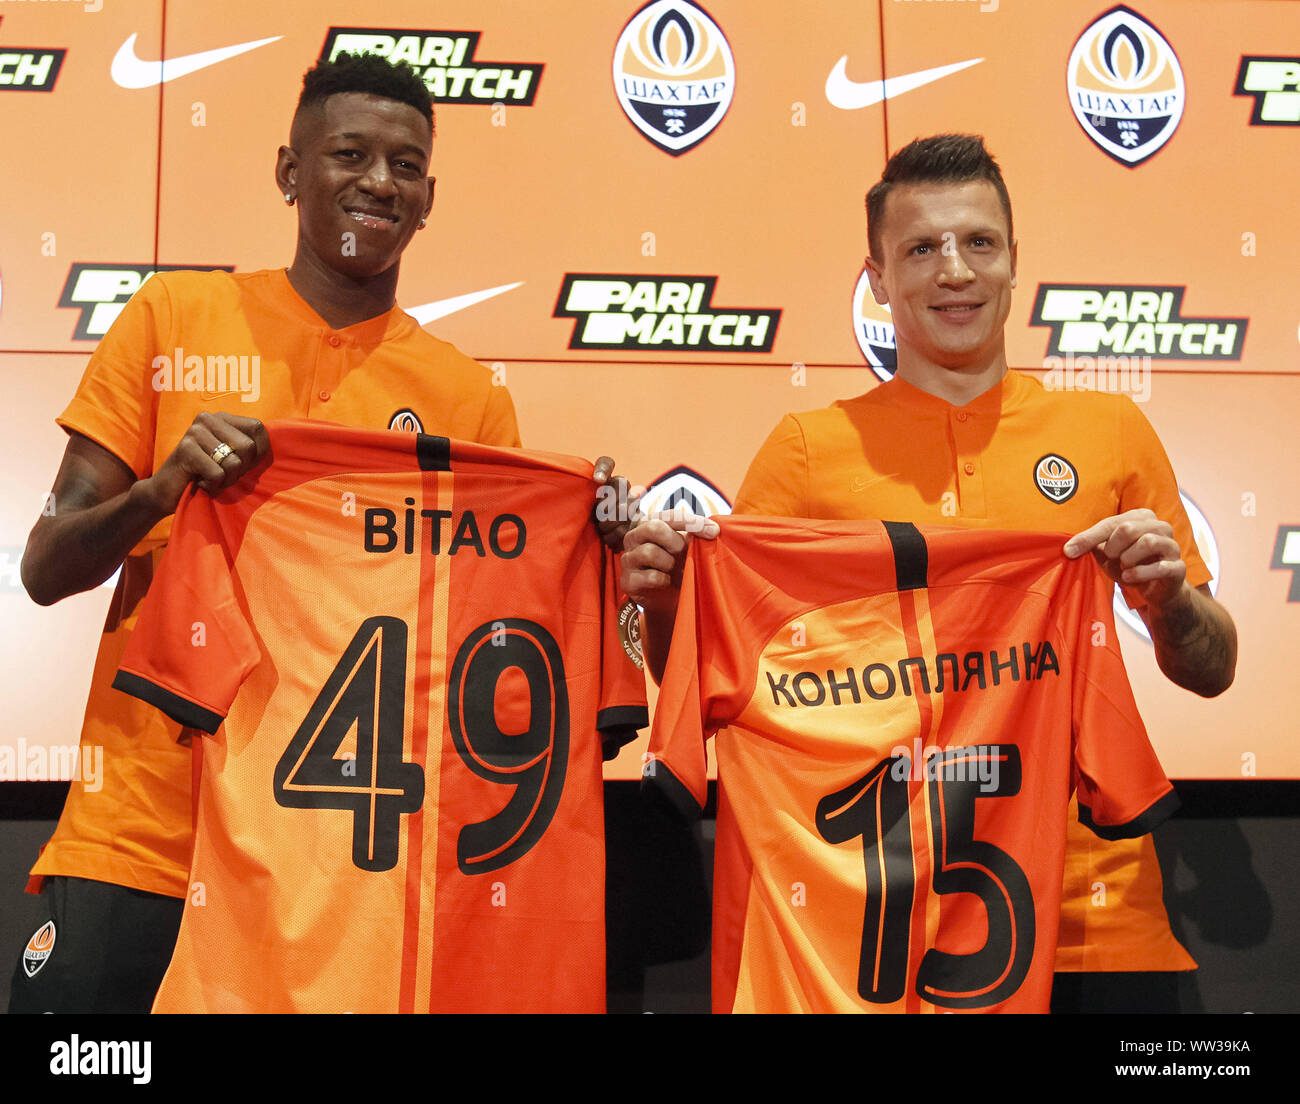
29,68
674,74
100,291
873,327
665,313
446,62
1124,320
1274,82
1286,557
1126,86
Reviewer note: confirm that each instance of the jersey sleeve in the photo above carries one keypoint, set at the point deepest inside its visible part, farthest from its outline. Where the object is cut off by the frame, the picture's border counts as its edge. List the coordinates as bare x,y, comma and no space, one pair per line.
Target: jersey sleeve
116,403
676,767
776,484
622,712
499,426
1149,482
193,645
1122,789
709,675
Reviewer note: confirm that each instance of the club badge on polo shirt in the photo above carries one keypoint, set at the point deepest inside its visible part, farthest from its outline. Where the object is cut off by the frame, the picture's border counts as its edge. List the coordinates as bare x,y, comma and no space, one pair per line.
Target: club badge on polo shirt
406,421
1056,478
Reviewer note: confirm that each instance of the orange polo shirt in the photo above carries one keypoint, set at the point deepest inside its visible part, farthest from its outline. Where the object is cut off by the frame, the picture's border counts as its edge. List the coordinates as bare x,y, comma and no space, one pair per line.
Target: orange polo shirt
242,344
1016,457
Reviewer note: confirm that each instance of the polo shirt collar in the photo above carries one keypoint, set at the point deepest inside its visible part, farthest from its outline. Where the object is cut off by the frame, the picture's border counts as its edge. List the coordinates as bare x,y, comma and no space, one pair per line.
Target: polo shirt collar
388,324
1006,393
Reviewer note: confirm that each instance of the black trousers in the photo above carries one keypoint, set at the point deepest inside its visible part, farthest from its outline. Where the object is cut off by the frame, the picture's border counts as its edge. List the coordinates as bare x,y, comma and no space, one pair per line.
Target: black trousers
99,947
1139,993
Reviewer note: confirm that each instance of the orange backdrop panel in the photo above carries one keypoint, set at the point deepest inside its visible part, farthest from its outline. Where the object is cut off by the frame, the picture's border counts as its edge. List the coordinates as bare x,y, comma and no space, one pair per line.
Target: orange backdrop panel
770,204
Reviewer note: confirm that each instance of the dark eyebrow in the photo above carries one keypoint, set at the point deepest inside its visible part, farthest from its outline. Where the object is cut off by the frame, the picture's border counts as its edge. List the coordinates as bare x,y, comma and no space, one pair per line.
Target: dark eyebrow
937,235
354,136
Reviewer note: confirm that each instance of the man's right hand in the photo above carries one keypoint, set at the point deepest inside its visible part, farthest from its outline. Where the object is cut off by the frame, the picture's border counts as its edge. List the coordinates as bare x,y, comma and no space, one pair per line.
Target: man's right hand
654,553
196,458
98,511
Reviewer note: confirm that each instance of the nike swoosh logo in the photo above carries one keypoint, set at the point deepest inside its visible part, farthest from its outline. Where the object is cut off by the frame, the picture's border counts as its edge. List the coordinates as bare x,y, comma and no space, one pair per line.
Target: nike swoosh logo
851,95
440,308
860,483
130,71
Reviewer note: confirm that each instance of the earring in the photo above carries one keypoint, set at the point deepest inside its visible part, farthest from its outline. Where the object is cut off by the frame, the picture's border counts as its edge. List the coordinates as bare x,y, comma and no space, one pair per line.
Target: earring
288,198
422,224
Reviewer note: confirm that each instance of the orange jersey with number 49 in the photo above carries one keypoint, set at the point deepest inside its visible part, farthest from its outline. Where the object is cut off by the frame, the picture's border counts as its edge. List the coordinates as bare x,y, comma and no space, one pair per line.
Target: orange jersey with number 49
406,651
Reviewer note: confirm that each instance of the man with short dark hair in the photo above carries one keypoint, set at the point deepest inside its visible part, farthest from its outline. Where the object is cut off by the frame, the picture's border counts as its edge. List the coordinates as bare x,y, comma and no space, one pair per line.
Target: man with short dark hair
943,159
325,340
958,438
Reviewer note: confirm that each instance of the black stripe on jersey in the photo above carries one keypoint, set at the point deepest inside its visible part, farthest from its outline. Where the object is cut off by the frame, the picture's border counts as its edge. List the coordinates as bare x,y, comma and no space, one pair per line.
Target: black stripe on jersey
618,725
177,708
659,786
433,453
911,557
1140,825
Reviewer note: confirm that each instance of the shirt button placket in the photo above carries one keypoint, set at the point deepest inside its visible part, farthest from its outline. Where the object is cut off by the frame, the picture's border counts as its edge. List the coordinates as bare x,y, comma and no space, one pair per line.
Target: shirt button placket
970,468
334,370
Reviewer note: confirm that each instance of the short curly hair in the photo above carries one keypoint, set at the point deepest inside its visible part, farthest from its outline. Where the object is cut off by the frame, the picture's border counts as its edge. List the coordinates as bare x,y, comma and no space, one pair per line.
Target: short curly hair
365,73
941,159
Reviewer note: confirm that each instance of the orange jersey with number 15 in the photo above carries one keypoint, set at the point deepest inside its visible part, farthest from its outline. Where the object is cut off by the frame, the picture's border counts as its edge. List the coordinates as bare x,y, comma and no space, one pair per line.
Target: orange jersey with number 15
406,651
904,713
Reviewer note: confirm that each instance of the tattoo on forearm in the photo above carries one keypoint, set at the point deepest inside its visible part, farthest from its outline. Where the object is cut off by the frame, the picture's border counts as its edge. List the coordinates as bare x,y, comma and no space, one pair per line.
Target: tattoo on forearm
1196,646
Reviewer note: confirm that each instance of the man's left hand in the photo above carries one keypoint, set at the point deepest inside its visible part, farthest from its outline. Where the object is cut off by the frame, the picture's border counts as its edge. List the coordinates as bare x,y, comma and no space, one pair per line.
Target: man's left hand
616,504
1137,550
1194,637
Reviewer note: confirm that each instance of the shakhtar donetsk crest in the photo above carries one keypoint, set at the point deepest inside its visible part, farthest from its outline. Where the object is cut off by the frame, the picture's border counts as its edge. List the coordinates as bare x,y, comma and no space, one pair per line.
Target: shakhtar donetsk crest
1126,86
873,326
684,487
674,74
38,948
629,633
407,421
1056,478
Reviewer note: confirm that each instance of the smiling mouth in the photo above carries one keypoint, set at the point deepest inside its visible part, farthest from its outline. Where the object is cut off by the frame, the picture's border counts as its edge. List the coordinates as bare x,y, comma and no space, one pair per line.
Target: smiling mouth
372,220
958,308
